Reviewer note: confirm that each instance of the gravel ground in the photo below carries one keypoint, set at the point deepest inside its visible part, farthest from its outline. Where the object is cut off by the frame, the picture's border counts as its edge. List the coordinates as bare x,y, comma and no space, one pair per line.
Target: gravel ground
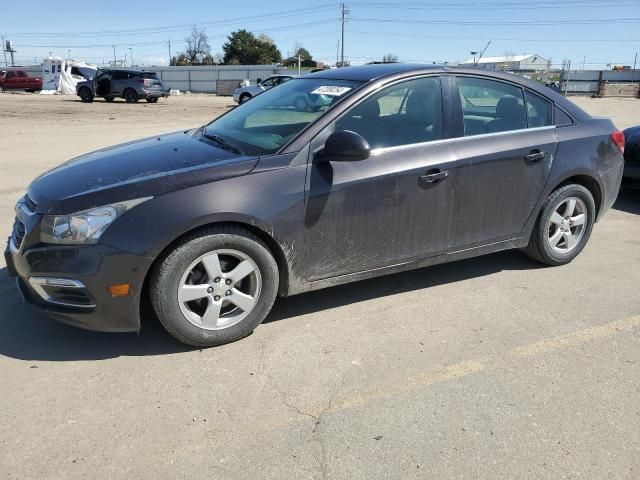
486,368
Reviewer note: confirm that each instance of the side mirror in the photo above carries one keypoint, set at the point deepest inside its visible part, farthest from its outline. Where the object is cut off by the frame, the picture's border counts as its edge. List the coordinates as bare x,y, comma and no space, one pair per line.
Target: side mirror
345,146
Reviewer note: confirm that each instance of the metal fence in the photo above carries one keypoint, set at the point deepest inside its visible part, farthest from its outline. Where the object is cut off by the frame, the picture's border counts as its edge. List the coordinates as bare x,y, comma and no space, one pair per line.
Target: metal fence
202,79
587,82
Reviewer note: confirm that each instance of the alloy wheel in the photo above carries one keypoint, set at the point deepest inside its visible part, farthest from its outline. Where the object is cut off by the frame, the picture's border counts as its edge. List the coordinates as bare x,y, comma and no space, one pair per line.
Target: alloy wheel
219,289
567,225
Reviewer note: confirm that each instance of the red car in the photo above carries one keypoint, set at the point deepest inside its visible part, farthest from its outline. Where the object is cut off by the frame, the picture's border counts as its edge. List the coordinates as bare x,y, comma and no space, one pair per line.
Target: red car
18,79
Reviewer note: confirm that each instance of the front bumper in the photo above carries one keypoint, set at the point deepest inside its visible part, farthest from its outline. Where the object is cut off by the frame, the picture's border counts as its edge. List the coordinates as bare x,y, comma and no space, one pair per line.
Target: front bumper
236,97
95,268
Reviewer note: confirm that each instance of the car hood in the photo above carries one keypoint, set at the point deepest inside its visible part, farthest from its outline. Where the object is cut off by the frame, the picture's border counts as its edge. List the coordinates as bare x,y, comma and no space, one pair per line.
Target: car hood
138,169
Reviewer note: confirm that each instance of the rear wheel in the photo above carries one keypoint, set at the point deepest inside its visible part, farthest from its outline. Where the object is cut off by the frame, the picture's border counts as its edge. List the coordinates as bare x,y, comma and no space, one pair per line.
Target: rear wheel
563,226
85,95
215,287
130,95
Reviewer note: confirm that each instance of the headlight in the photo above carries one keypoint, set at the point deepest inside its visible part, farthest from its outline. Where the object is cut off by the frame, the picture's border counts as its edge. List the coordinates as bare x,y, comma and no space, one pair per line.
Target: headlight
83,227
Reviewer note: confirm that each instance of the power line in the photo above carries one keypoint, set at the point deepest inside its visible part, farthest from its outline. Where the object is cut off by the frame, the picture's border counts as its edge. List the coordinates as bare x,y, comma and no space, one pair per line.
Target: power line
447,37
493,22
167,28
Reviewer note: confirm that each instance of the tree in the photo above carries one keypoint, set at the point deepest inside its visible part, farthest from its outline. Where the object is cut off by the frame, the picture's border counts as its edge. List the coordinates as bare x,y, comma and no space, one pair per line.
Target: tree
243,48
197,46
180,60
304,54
263,37
390,58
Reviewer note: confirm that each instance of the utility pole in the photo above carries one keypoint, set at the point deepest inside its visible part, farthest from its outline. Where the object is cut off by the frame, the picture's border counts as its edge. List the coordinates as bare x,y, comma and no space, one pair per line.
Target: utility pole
114,55
474,57
69,54
169,42
4,52
131,55
633,75
299,64
344,11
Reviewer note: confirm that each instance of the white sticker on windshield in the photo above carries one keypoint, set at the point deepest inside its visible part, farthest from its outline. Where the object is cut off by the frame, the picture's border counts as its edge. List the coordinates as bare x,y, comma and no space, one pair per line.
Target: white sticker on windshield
331,90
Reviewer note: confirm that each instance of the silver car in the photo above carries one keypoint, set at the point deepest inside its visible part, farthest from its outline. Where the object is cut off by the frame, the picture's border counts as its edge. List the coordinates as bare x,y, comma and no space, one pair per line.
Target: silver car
242,94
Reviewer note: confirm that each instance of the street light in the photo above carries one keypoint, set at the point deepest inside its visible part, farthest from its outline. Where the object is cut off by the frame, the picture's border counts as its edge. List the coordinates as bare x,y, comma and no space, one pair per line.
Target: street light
474,57
131,55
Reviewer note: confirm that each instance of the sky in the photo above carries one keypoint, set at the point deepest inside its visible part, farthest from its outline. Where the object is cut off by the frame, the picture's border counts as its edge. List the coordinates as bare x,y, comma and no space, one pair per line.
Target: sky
590,32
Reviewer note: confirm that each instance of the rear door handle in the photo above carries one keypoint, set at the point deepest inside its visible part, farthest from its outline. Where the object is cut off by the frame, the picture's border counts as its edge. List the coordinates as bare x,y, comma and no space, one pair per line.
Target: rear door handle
535,156
433,178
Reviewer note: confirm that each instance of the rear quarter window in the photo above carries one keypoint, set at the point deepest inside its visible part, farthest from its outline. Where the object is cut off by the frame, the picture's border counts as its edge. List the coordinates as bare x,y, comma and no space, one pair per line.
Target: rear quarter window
562,119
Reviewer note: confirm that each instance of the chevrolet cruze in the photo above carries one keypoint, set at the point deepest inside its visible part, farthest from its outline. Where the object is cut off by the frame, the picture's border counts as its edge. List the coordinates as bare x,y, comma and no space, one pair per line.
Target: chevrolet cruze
399,167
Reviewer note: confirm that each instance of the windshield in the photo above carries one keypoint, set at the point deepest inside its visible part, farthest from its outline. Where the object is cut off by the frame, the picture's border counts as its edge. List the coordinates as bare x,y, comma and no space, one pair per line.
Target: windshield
267,122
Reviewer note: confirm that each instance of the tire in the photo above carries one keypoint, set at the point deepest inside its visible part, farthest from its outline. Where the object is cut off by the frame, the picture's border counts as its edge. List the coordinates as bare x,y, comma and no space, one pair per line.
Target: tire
301,104
85,95
109,99
130,95
152,99
245,97
549,231
184,266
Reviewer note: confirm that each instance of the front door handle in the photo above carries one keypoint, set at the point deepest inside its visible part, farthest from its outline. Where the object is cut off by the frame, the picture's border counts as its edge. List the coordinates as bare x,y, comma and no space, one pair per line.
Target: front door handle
433,177
535,156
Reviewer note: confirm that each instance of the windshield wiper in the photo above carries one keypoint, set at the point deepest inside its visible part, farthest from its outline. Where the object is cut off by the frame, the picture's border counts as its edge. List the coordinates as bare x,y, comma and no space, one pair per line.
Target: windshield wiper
222,142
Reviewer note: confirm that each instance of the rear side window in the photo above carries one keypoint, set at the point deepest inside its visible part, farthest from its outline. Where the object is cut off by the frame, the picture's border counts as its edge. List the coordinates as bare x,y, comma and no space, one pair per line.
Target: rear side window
539,110
21,74
403,114
562,119
489,106
10,74
148,75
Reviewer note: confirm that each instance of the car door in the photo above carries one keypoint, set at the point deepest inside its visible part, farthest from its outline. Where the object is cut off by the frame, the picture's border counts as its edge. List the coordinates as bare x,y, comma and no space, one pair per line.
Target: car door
11,81
22,81
504,156
393,207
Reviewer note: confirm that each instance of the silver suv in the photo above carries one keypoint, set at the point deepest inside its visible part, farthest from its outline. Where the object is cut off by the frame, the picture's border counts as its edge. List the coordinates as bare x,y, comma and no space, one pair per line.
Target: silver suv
132,85
242,94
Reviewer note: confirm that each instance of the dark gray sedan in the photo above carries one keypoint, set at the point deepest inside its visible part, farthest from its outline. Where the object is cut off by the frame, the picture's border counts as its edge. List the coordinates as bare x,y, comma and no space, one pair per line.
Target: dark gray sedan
399,167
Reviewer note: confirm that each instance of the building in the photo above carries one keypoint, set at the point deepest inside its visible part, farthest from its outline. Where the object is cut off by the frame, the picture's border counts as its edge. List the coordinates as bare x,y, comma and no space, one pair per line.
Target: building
526,63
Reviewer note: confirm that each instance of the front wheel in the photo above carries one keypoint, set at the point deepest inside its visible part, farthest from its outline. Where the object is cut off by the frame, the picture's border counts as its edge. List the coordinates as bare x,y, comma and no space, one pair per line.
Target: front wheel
563,226
215,287
85,95
245,97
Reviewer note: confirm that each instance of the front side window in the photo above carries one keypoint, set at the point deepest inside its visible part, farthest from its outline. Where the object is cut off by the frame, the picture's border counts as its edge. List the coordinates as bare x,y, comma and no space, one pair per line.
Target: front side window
269,82
21,74
273,118
10,74
403,114
489,106
539,111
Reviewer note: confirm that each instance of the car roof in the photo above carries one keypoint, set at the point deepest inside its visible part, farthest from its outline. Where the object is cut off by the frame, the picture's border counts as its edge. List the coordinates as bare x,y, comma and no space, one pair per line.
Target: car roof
368,73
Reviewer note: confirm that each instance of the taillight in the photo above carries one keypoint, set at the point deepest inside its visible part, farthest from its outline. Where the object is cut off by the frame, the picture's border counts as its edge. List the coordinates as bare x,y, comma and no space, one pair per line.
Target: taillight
618,139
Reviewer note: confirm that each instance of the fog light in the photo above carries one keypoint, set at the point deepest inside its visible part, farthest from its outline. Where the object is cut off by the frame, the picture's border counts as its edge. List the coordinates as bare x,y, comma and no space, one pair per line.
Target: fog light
119,290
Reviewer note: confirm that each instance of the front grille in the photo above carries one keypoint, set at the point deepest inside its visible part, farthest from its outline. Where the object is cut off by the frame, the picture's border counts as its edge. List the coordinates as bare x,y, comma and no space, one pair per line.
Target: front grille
17,236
